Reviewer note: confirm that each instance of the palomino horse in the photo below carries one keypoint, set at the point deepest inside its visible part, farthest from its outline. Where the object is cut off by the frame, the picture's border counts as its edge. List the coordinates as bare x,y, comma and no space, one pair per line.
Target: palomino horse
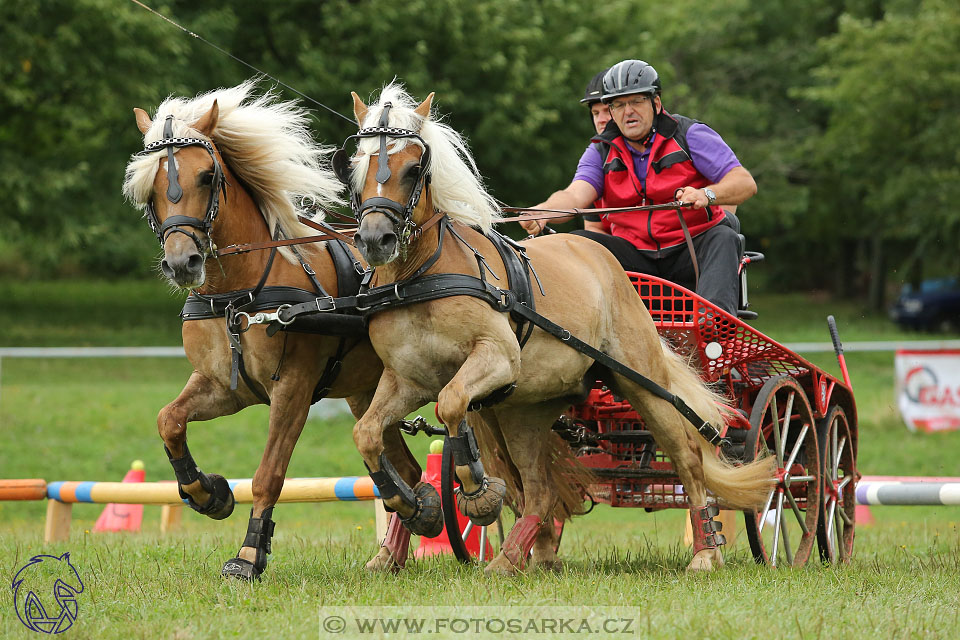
258,153
460,350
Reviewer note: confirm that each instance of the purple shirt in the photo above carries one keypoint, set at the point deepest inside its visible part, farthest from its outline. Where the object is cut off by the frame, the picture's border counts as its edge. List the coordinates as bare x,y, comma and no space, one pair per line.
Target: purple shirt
711,156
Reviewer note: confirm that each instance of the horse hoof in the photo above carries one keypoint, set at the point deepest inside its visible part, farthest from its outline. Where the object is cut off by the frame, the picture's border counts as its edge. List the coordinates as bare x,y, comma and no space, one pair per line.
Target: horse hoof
220,503
484,505
383,562
241,569
427,520
500,566
706,560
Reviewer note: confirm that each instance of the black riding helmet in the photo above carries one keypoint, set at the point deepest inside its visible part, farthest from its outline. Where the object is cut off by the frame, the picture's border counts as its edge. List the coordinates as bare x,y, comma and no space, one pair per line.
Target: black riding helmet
594,90
630,77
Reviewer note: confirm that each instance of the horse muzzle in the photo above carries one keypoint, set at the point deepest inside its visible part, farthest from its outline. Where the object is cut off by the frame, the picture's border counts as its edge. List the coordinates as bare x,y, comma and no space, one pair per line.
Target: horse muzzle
376,239
183,264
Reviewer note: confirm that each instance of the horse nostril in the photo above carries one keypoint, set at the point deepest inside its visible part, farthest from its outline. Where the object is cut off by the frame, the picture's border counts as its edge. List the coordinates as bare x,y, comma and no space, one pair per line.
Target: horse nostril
387,240
165,267
194,262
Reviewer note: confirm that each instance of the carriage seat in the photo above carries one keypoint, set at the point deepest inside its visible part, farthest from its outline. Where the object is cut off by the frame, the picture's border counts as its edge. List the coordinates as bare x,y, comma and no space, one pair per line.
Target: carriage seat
746,258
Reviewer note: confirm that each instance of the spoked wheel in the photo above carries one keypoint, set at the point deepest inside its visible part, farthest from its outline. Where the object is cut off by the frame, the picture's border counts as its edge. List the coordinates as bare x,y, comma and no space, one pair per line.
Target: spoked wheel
782,425
457,534
839,459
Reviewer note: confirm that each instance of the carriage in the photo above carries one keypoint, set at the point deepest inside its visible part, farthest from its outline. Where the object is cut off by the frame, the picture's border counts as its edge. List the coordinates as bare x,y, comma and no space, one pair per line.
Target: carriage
785,406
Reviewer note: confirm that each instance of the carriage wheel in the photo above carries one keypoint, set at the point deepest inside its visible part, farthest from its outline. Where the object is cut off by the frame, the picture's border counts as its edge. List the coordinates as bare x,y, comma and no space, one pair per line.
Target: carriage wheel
448,505
839,459
782,425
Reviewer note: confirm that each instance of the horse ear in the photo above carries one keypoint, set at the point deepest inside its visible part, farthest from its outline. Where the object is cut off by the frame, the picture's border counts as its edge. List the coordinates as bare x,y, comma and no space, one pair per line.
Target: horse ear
143,120
424,109
359,109
208,121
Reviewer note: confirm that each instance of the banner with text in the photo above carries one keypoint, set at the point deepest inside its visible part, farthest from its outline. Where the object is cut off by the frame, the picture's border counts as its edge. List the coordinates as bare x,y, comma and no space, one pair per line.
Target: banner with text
928,389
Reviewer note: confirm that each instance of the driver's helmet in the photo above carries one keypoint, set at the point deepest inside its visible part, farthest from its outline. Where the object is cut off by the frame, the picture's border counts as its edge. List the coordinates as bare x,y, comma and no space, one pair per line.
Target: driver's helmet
629,77
594,90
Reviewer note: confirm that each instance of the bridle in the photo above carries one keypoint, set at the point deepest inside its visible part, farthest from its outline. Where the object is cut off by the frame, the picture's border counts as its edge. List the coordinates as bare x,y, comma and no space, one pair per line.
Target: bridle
401,215
174,224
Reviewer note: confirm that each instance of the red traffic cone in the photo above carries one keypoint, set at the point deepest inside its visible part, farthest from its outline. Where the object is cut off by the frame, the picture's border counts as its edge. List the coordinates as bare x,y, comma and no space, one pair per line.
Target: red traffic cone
441,544
124,517
863,516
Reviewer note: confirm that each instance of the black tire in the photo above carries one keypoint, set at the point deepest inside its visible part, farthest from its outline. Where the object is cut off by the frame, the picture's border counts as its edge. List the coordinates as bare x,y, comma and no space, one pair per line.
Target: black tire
782,425
838,456
448,505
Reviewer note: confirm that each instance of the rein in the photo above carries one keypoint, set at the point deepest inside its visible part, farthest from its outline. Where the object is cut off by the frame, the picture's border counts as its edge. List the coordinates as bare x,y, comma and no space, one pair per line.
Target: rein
550,214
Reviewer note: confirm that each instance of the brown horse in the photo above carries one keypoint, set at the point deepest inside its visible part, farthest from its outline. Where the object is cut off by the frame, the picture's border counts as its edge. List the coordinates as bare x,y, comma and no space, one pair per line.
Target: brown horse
408,171
242,162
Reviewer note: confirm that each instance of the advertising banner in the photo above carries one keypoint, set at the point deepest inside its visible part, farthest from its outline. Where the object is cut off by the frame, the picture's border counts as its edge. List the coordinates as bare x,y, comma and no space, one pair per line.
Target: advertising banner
928,389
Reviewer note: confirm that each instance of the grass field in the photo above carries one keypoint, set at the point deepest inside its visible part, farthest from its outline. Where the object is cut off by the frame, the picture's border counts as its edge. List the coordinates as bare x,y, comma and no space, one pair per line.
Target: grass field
84,419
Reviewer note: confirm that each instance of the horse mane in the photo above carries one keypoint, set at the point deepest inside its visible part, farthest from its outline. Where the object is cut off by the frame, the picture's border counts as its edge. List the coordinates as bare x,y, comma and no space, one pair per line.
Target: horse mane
456,184
267,144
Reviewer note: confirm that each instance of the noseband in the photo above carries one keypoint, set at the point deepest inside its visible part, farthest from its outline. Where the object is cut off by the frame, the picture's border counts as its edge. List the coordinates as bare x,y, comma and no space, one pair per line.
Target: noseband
173,224
401,215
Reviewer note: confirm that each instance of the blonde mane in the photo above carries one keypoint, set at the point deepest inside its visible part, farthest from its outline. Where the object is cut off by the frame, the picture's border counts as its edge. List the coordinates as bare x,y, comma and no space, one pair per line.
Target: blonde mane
267,144
456,184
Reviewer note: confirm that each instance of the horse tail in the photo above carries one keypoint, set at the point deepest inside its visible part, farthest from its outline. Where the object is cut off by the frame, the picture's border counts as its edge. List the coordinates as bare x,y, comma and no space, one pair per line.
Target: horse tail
568,477
740,487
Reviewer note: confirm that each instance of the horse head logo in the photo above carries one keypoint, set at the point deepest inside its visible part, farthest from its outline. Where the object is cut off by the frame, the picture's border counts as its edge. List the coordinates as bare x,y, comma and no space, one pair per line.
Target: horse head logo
39,578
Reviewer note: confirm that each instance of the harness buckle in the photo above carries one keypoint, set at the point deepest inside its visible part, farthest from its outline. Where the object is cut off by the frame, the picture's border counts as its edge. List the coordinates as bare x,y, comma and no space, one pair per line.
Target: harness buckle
396,291
330,300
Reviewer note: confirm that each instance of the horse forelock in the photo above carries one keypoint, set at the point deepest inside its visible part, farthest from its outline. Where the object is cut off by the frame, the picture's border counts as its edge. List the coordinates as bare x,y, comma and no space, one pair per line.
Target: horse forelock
266,142
456,185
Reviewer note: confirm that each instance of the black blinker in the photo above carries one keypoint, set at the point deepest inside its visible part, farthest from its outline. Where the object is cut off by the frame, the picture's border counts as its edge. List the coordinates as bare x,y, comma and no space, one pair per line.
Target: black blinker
341,166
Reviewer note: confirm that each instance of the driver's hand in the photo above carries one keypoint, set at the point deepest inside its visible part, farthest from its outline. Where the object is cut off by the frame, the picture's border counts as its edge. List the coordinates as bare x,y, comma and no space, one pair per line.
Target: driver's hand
693,196
533,227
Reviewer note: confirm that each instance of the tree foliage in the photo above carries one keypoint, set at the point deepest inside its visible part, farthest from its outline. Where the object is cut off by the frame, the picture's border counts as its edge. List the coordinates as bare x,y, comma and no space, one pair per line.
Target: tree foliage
845,112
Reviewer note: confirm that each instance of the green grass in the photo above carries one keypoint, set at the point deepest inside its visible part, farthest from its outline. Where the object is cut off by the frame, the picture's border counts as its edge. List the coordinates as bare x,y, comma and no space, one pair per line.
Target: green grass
85,419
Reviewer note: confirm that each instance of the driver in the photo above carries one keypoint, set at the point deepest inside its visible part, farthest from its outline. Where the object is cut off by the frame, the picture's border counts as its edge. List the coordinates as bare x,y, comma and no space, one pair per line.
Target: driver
690,163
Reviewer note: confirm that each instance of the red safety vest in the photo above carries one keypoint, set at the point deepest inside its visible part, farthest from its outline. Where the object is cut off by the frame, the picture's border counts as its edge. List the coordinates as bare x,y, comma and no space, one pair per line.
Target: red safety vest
669,168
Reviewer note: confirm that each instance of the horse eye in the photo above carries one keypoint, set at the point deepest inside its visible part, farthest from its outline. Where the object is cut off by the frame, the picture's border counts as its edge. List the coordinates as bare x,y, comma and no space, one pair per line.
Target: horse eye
412,174
206,178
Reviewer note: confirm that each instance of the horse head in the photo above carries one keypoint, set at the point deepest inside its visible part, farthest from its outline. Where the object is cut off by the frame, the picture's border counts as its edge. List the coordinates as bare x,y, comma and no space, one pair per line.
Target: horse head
407,166
186,196
390,202
230,166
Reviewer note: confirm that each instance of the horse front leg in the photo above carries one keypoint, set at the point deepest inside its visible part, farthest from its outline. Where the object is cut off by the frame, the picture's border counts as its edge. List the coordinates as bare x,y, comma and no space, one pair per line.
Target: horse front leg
201,399
289,407
418,508
491,366
395,546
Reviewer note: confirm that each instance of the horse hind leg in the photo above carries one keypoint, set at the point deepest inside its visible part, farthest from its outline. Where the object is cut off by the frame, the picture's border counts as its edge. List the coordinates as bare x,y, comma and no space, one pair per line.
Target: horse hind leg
681,445
525,434
201,399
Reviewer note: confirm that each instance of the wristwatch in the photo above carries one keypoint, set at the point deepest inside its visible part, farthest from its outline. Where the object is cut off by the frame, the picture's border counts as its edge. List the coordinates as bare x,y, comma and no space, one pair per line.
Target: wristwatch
711,196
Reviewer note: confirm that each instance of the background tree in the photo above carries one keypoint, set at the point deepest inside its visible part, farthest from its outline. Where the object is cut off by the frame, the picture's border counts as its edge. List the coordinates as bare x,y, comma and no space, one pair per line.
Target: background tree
846,112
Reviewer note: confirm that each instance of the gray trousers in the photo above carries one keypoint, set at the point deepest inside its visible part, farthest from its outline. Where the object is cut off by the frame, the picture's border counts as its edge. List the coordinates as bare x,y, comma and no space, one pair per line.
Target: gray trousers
718,254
